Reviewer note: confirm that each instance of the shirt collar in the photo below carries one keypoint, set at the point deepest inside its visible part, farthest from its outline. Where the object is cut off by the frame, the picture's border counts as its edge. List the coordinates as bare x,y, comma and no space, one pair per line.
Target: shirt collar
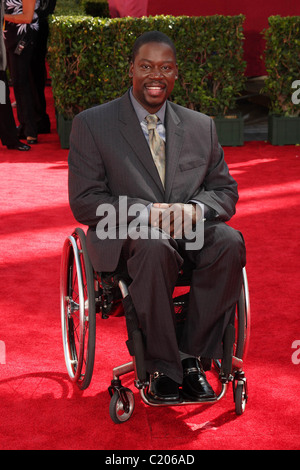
142,112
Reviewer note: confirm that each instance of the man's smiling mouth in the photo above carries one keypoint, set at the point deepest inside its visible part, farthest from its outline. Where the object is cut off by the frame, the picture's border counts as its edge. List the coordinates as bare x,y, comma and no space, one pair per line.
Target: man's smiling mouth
155,90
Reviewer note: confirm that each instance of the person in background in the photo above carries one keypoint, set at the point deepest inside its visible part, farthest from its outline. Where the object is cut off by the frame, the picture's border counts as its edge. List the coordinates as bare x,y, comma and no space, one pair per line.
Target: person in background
8,131
38,69
21,28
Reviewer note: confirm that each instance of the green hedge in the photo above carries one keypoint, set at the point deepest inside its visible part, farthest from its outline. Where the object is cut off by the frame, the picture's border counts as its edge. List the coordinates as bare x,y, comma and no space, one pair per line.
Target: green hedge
282,58
89,59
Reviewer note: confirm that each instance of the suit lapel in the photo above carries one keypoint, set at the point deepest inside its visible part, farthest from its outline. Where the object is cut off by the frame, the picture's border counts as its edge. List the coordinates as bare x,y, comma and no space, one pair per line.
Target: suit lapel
174,138
132,132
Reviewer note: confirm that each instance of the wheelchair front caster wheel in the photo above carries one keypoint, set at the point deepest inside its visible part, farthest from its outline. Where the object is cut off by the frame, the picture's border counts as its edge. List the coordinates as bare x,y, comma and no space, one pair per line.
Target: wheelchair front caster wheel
121,405
240,398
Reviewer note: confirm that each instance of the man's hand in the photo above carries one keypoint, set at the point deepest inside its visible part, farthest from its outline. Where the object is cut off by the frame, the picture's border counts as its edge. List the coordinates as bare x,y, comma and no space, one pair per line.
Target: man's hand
177,219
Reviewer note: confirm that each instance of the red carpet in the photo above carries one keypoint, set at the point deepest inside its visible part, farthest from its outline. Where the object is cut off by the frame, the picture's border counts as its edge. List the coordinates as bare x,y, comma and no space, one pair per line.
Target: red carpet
40,409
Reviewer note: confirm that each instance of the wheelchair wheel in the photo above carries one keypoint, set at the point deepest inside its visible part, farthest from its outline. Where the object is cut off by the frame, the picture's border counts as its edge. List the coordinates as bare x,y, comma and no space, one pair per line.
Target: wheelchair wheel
242,321
121,405
78,316
240,397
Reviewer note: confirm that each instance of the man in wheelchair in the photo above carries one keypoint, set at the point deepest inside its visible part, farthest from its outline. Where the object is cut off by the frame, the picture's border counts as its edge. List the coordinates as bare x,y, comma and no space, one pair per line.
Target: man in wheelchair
142,155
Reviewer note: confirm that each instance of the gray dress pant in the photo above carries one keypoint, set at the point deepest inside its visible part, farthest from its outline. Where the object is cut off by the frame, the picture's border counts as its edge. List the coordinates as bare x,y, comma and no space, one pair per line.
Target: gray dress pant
154,264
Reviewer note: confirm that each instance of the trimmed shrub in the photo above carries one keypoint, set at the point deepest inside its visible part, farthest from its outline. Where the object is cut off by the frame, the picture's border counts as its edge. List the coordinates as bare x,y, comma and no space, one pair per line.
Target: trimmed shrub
282,58
89,60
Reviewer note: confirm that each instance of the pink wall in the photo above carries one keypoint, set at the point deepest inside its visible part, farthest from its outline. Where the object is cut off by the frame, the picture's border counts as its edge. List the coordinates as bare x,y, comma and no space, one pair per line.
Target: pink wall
256,12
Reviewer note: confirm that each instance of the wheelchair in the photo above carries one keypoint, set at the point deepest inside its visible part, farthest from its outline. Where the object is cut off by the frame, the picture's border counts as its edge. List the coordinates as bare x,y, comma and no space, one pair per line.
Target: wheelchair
84,294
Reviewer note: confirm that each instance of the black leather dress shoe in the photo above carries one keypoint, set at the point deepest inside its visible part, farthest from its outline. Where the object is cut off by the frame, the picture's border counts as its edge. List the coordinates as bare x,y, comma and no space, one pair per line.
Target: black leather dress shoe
162,388
195,385
20,146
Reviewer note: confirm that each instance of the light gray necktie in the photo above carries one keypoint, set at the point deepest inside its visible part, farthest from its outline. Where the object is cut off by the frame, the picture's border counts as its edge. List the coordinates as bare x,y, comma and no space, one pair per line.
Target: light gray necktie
157,146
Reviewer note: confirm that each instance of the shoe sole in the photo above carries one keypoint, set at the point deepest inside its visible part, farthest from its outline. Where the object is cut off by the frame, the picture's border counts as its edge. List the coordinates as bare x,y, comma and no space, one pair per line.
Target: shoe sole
167,400
188,397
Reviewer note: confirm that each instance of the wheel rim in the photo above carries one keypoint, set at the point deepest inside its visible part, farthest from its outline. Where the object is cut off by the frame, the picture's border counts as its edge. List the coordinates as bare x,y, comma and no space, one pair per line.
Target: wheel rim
242,321
117,411
72,309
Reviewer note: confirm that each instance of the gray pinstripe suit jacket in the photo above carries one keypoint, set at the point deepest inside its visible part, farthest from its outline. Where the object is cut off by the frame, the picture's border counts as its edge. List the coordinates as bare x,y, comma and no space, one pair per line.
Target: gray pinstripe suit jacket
109,157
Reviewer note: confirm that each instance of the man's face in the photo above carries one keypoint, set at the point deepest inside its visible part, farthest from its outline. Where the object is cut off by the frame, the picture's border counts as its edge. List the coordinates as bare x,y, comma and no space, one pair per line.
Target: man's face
153,74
